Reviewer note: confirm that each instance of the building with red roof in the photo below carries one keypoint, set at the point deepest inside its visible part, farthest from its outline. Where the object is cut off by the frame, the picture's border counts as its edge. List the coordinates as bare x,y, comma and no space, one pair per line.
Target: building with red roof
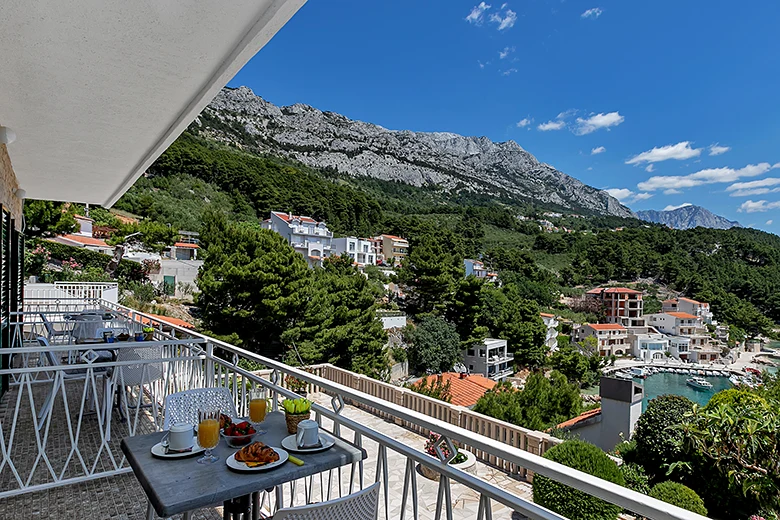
310,238
611,338
621,305
682,304
465,389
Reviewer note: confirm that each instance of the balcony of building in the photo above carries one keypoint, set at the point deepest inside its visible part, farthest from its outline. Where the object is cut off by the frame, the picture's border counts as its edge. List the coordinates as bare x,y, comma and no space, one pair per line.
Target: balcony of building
68,405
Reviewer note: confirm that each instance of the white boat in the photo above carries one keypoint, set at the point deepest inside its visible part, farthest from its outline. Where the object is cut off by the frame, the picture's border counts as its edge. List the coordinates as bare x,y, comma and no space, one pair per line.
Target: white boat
638,372
735,380
698,382
623,375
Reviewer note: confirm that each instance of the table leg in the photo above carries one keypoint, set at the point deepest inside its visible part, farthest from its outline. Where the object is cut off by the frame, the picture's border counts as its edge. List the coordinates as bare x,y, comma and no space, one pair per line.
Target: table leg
256,505
279,499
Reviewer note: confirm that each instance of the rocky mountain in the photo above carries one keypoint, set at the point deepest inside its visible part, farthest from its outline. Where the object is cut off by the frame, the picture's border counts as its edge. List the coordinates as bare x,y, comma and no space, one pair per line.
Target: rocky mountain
688,217
446,160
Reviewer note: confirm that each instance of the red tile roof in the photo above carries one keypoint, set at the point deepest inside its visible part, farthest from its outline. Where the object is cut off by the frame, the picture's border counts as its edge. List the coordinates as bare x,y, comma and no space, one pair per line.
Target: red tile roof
546,315
605,326
620,290
87,241
689,300
286,217
584,416
683,315
468,390
670,301
186,245
171,320
82,217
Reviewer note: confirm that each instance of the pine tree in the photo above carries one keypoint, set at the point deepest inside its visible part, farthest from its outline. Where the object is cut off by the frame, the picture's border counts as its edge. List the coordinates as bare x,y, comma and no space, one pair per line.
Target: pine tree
429,274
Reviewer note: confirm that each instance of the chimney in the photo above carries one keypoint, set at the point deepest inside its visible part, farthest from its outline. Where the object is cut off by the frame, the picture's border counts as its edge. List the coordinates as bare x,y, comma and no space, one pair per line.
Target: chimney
463,375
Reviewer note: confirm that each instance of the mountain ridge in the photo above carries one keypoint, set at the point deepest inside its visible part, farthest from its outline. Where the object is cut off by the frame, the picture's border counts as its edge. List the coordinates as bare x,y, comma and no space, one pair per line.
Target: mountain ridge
447,160
687,217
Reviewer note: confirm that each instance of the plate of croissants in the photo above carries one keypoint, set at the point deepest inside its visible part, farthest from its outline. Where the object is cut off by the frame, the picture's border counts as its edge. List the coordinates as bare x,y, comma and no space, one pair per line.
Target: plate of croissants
257,457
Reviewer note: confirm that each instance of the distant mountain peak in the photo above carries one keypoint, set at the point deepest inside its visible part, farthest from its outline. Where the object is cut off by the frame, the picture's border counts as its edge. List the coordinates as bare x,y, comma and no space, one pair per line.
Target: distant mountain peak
446,160
686,217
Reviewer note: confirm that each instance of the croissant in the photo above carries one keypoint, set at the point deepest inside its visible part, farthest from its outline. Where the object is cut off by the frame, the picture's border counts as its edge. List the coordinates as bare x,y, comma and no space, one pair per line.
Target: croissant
256,454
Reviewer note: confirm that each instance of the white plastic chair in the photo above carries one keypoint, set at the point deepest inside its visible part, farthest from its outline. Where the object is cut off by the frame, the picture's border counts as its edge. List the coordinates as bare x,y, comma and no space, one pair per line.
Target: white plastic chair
357,506
182,407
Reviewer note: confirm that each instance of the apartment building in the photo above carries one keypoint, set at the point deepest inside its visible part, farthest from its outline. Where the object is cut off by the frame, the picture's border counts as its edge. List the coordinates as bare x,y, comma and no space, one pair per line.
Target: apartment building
394,249
491,359
551,338
681,324
700,309
621,305
612,338
647,343
474,268
359,249
310,238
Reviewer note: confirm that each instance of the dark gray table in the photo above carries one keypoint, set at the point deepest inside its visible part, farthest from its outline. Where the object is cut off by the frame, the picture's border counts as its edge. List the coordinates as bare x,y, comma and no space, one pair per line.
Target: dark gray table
175,486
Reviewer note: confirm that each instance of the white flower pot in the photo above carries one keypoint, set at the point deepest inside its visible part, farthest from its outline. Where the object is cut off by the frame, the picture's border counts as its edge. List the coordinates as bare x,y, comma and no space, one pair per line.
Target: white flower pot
468,465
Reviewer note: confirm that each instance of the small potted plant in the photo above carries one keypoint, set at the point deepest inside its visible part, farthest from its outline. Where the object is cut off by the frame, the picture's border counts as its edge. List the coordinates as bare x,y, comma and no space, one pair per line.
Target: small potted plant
296,385
295,411
463,460
148,333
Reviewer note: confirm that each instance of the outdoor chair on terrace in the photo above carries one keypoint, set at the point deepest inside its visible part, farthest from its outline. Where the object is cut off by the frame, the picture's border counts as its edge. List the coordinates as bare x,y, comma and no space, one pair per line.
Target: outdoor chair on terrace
147,372
52,332
182,407
357,506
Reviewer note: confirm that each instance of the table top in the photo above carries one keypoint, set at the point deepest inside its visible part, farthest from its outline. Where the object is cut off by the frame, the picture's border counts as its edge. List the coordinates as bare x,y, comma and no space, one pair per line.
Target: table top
175,486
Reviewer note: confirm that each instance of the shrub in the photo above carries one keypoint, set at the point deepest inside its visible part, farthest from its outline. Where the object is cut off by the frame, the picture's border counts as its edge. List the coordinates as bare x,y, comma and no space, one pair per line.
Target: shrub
572,503
635,477
737,398
679,495
658,444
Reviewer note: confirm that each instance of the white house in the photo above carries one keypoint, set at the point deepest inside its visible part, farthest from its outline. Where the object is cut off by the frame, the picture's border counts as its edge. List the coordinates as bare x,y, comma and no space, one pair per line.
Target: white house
360,250
680,347
699,309
649,346
490,359
551,338
310,238
680,324
474,268
83,237
612,338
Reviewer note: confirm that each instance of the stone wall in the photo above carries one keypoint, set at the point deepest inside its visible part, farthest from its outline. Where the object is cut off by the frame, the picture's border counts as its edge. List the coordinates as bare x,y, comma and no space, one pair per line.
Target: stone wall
7,185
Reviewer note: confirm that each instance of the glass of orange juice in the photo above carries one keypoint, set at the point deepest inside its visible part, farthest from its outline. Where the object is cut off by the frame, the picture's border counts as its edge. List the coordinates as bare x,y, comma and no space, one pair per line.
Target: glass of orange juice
258,406
208,433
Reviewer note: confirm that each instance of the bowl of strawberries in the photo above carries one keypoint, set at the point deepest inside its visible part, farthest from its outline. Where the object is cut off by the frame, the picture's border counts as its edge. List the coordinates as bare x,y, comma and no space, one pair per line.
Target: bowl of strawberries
237,434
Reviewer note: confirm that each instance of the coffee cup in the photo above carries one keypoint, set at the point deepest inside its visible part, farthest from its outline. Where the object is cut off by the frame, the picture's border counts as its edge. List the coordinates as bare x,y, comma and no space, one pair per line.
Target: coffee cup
179,437
308,434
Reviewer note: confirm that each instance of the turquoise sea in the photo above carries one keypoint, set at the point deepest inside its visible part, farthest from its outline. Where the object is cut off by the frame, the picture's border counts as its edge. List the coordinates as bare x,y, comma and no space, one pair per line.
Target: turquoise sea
665,383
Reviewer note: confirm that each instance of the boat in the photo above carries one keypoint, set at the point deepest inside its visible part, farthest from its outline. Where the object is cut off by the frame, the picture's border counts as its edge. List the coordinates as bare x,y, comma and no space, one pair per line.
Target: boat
638,372
698,382
623,375
735,380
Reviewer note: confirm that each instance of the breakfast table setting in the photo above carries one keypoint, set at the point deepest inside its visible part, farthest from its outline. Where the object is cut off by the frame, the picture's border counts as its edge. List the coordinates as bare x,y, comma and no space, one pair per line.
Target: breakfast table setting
228,459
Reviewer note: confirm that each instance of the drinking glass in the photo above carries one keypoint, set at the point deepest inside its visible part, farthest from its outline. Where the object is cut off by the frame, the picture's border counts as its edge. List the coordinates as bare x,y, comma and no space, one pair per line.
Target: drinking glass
258,406
208,433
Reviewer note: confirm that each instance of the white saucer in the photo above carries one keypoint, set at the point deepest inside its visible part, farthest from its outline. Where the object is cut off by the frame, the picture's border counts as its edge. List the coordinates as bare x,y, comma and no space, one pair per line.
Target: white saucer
158,450
326,442
233,464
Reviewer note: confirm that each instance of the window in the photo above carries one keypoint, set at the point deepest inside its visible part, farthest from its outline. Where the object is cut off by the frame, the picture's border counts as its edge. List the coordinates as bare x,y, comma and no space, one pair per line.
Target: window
481,353
352,247
471,367
471,352
365,248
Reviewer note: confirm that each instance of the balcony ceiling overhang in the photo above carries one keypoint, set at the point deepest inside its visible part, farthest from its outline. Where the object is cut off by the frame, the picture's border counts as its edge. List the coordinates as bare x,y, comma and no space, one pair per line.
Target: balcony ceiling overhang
97,90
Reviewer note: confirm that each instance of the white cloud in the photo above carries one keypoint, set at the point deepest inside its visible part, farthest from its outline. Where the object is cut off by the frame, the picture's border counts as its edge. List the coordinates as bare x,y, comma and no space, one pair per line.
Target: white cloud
650,168
716,149
707,176
598,150
750,206
506,52
672,191
679,151
620,194
524,122
476,16
507,72
481,65
593,13
566,113
769,222
590,168
506,21
671,208
642,196
597,122
759,187
551,125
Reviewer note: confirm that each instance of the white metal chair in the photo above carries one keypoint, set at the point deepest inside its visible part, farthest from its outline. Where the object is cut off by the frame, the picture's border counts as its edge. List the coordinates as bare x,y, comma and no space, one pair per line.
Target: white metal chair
51,330
183,406
147,372
357,506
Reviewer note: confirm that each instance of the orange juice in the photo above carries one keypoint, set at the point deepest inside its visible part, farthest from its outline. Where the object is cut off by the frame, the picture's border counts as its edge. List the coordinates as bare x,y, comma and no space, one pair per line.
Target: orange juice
208,433
257,409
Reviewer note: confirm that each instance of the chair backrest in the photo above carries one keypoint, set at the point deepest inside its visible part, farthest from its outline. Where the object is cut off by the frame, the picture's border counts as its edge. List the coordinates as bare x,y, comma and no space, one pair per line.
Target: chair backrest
144,372
357,506
51,359
183,406
47,324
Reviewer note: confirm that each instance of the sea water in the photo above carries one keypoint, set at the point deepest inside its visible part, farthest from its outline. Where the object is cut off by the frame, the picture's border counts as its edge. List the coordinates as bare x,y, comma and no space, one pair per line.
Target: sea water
667,383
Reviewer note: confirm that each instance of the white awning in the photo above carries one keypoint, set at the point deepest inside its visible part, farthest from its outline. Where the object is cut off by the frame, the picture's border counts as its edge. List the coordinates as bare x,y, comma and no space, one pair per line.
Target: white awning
97,90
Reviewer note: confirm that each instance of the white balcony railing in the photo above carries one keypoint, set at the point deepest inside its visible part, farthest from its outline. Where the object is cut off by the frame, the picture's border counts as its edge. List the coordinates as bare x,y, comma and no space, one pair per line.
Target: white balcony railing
43,443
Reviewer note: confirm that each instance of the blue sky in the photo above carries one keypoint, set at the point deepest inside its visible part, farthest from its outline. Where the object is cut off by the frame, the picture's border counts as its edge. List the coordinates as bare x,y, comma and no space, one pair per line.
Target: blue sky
663,102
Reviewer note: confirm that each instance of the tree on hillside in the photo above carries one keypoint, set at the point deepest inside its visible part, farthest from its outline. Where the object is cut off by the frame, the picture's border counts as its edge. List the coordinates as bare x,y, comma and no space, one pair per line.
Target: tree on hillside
510,317
45,218
434,345
428,275
541,404
252,283
470,229
339,324
466,312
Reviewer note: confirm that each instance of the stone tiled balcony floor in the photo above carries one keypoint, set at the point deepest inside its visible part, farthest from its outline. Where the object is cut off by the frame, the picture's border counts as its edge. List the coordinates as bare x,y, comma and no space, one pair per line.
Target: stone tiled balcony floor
121,497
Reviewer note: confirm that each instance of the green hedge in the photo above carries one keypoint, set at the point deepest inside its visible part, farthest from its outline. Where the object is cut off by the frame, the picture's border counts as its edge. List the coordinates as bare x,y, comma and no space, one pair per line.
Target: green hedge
737,398
569,502
128,270
635,477
679,495
658,445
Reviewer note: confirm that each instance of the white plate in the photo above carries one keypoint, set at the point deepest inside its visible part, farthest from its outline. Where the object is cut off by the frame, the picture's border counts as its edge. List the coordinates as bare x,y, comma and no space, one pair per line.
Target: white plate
240,466
290,444
158,450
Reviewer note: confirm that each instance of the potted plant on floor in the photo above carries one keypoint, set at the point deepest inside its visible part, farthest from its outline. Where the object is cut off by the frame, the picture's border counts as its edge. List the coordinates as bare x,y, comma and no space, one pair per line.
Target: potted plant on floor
296,385
295,411
463,460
